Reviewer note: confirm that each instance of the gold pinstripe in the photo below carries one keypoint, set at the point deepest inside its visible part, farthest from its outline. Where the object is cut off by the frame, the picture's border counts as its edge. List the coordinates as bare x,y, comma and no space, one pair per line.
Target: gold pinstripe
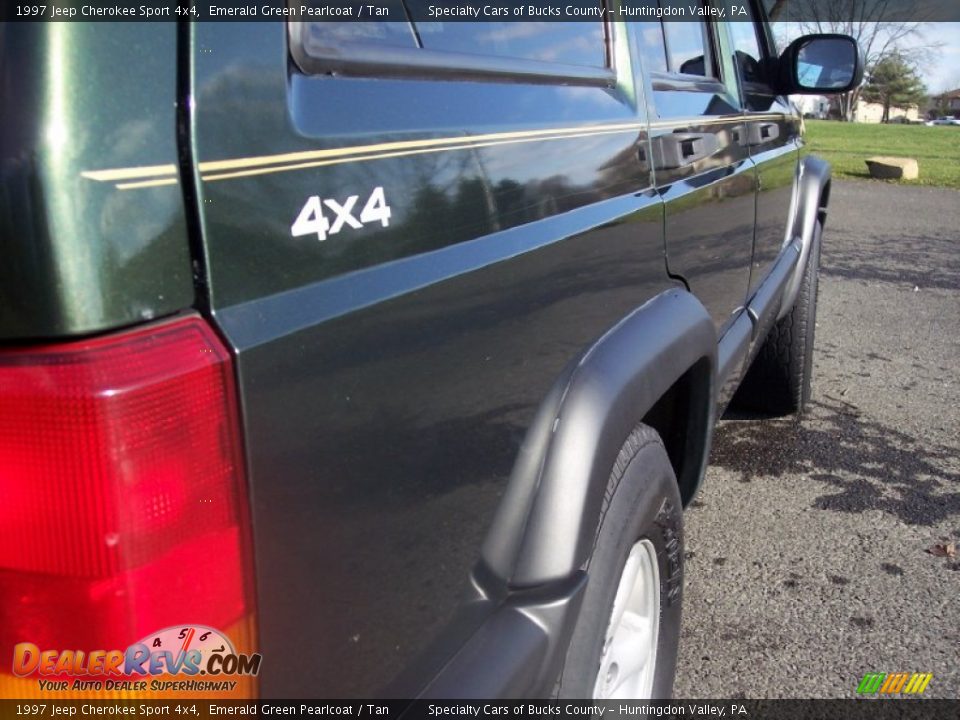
129,173
146,183
131,178
310,155
399,153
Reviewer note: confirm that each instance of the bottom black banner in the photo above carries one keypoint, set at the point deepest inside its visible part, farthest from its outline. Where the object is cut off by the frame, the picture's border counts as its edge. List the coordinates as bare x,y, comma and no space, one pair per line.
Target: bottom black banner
875,709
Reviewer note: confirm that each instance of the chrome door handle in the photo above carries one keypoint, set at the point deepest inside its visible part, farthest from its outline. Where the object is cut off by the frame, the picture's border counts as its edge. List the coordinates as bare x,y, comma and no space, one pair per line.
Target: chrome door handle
681,149
761,133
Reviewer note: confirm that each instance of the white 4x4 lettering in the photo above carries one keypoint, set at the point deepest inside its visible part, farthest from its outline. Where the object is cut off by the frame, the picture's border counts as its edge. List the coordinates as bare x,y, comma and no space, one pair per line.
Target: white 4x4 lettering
312,221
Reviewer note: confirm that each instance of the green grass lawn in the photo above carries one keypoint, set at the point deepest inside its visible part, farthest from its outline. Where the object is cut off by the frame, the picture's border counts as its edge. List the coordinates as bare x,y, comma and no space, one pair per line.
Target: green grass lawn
847,145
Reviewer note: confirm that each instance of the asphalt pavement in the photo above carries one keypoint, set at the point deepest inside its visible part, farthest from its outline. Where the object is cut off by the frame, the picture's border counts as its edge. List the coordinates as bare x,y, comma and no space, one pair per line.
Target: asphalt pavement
813,549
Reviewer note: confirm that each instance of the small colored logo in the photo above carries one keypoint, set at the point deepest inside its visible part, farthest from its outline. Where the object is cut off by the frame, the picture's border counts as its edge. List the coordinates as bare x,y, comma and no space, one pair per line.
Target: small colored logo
894,683
184,652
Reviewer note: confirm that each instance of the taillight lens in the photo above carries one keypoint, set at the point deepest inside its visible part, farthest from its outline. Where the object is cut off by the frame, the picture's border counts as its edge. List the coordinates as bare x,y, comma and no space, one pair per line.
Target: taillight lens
122,494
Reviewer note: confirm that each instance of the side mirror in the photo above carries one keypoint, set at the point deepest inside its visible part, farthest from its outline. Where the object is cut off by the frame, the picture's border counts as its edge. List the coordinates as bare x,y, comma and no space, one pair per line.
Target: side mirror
821,65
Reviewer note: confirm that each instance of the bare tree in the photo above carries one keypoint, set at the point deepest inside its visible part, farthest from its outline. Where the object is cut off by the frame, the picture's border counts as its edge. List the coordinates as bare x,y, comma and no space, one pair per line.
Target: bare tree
881,27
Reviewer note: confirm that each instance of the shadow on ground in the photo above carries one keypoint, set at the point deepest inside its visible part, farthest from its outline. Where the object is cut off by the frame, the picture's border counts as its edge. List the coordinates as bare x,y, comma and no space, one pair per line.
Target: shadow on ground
872,467
926,261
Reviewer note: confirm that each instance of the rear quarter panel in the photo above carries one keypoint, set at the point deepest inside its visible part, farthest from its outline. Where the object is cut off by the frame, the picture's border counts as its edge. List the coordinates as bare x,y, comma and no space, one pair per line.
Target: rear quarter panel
388,374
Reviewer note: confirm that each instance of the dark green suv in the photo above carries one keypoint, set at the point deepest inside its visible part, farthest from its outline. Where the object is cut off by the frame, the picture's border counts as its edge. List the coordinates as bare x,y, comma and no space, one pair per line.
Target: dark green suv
389,351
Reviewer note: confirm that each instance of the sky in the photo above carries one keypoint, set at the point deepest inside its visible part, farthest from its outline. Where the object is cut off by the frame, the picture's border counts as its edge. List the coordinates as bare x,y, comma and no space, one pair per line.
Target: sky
944,73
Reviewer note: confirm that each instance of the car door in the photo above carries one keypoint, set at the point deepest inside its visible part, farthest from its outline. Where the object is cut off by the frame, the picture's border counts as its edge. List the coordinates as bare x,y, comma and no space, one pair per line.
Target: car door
772,132
702,170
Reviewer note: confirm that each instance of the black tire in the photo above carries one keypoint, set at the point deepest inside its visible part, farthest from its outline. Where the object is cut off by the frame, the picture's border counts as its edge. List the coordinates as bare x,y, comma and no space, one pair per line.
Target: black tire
641,501
780,379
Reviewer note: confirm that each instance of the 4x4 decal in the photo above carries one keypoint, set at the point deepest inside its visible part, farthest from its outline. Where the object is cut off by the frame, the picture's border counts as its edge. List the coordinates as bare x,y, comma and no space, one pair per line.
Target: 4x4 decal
312,220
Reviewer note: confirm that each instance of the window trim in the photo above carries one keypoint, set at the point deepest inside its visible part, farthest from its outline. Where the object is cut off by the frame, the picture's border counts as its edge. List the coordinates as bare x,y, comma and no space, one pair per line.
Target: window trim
676,80
667,81
383,61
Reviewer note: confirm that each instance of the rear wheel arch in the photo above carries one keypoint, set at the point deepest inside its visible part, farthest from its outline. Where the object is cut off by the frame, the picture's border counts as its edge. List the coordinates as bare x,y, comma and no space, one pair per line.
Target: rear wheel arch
657,366
626,636
682,418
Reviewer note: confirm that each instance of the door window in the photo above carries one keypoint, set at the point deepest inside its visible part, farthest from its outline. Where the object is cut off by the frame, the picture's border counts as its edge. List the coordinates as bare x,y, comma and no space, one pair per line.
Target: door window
423,44
749,40
674,46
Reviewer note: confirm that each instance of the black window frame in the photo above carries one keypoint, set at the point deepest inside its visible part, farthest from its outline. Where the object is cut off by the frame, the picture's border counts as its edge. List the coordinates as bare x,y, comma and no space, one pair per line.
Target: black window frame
767,61
671,80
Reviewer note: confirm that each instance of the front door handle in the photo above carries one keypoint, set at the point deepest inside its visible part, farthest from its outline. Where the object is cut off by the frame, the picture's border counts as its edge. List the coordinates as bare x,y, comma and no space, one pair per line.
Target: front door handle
680,149
761,133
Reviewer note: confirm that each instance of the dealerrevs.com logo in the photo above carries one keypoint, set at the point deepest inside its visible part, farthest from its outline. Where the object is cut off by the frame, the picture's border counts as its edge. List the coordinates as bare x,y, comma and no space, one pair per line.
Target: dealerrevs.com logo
183,652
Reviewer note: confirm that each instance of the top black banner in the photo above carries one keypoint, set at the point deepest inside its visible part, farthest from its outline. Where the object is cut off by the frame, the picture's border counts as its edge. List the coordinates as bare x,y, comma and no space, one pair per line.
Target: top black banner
474,10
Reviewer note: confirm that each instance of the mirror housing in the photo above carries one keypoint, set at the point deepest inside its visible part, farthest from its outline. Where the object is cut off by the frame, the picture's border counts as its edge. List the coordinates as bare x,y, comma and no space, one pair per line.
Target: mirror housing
821,64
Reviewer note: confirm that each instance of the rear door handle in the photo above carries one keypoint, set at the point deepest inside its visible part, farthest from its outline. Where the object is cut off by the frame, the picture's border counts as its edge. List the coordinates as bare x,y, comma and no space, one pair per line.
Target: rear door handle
681,149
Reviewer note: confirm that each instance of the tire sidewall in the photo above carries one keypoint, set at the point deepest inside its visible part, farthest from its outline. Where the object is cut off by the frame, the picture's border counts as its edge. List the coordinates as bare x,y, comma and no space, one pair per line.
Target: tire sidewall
645,505
808,306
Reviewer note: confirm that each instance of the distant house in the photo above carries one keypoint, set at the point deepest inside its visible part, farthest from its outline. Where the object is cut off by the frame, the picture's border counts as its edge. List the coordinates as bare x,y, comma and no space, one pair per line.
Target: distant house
947,103
868,112
815,106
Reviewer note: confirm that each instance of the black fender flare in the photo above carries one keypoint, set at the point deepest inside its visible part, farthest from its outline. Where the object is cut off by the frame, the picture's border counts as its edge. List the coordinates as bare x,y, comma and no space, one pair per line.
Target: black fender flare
545,524
814,178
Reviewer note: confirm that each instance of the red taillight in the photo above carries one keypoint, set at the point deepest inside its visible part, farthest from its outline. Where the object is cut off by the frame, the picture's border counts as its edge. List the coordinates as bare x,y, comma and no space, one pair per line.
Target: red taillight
122,494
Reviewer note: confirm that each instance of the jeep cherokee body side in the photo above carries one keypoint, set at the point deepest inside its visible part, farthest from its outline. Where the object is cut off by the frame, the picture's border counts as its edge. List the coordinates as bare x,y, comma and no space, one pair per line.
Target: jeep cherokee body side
447,280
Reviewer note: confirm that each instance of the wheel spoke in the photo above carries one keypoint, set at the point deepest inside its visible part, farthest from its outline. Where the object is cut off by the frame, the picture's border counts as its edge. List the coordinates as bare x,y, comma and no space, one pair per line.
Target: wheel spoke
630,649
630,643
624,591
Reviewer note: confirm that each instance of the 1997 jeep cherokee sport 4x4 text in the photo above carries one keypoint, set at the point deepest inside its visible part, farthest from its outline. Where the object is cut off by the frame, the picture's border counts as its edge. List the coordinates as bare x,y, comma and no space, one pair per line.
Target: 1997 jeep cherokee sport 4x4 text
391,350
